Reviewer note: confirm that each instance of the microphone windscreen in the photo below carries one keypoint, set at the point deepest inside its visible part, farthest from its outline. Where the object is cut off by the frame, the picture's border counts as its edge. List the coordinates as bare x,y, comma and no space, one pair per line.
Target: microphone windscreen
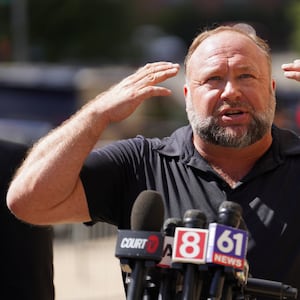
231,206
194,218
147,212
170,226
230,213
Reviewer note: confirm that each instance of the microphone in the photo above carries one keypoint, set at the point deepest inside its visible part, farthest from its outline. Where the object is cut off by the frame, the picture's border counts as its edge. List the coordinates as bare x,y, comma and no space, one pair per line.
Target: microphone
141,247
230,214
169,277
266,288
190,249
169,228
227,246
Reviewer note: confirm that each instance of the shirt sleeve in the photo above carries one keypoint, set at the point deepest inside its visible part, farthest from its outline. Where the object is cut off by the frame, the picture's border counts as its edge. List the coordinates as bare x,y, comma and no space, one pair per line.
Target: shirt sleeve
109,177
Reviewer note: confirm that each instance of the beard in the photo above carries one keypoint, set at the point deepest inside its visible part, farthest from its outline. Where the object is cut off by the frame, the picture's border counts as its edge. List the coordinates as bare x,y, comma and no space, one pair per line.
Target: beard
211,132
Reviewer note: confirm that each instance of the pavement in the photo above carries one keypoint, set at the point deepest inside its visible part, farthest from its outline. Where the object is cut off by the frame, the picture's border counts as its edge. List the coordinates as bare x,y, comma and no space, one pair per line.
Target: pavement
87,270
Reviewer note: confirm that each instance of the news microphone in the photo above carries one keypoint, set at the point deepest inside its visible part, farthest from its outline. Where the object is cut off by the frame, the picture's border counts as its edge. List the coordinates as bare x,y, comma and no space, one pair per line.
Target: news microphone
169,228
190,249
141,247
230,214
169,276
267,288
227,246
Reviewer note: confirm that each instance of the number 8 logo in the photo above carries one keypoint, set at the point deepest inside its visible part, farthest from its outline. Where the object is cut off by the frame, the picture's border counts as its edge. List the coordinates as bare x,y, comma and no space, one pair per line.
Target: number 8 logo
190,247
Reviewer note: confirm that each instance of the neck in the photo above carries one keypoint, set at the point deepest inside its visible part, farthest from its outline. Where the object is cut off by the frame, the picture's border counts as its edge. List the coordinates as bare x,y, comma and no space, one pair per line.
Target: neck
232,164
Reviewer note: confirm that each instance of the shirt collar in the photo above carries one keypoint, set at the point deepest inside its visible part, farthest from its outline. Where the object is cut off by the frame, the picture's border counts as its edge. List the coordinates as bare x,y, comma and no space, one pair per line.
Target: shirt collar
180,144
177,143
285,143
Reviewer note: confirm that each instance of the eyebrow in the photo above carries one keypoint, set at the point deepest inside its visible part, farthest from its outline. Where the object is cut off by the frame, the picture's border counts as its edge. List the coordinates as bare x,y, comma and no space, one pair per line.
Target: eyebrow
241,68
247,68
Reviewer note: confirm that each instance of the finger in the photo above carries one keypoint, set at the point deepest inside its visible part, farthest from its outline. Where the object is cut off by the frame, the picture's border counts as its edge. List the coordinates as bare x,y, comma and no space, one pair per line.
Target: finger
292,75
154,73
150,74
294,66
152,91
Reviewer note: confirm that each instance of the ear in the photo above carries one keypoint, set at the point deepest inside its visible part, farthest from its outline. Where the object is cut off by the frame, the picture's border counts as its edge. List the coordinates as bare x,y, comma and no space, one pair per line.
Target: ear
273,83
185,90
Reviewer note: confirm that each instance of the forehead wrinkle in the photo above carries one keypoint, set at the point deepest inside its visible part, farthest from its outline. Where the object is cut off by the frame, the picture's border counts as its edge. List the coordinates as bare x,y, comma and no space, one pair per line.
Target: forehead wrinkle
222,61
242,48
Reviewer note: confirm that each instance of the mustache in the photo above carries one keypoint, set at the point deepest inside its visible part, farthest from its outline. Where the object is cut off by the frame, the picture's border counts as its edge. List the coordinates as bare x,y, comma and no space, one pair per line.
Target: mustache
234,104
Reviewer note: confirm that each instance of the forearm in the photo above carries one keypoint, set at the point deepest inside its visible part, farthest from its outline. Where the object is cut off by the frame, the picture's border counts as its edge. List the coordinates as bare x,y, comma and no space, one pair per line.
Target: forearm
50,174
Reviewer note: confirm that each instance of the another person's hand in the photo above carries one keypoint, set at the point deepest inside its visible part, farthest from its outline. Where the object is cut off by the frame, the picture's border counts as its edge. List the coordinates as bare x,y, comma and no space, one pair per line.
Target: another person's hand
292,70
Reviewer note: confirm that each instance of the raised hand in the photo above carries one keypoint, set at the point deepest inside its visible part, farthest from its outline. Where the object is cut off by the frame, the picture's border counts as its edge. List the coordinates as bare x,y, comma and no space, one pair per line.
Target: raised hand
292,70
122,99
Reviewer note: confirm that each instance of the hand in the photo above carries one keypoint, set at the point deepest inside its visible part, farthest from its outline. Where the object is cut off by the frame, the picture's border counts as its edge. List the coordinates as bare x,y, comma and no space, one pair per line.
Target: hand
122,99
292,70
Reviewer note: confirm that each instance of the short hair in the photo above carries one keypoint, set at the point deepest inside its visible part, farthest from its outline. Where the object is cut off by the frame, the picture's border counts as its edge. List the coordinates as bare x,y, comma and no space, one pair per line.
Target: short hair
242,28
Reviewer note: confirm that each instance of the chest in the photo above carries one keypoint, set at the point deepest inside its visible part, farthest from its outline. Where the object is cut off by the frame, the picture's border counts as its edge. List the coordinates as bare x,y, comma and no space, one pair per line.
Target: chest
267,199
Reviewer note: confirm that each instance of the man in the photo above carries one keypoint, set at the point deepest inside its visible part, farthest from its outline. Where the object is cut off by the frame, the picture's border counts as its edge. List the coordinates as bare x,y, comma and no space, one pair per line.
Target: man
26,250
230,151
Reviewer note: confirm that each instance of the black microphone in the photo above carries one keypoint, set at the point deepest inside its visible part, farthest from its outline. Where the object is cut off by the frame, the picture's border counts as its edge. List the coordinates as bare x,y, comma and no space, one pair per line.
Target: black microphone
267,288
230,215
169,276
141,247
169,228
190,249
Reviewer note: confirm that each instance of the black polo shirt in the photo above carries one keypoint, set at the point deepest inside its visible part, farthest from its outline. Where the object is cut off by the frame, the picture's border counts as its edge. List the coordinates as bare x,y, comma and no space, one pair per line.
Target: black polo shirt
114,176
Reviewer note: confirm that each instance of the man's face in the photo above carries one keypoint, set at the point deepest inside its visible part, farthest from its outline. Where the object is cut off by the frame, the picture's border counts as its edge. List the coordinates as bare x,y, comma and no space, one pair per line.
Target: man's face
229,92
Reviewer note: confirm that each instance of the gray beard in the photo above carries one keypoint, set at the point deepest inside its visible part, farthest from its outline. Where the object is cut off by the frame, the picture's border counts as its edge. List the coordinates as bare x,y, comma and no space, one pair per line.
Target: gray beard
209,130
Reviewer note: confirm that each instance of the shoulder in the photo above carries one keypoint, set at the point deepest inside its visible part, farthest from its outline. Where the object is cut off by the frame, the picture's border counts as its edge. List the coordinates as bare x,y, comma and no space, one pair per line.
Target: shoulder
174,145
286,140
140,145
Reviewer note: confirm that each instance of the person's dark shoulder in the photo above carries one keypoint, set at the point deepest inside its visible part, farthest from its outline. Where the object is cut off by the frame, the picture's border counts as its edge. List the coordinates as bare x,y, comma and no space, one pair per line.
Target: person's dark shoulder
11,156
28,250
12,150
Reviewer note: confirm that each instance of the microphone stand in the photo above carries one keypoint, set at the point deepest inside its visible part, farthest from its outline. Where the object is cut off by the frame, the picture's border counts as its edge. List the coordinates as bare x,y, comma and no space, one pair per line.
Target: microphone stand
137,278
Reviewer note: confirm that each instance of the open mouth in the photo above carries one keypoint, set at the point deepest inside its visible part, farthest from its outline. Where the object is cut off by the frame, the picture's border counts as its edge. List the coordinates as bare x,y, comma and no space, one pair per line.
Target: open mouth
234,116
230,113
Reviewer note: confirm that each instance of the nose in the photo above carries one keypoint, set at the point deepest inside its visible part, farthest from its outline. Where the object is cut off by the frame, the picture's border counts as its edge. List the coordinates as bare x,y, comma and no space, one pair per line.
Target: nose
230,90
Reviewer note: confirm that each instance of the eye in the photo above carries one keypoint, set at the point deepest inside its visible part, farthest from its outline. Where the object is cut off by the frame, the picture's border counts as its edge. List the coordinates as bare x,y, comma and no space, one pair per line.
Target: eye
246,76
214,78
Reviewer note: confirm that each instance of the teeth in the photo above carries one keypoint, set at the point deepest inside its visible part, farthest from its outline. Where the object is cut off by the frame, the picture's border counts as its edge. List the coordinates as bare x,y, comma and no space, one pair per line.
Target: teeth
234,113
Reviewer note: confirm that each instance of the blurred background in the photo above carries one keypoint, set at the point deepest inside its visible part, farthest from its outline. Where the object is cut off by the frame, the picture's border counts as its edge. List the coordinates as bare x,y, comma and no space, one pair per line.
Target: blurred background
56,55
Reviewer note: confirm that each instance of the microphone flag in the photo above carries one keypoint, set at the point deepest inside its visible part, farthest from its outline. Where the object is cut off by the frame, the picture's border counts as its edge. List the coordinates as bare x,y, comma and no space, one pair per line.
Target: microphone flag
227,246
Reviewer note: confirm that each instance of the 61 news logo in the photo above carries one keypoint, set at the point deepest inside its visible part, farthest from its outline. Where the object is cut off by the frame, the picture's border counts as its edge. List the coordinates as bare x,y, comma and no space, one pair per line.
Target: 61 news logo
227,246
222,245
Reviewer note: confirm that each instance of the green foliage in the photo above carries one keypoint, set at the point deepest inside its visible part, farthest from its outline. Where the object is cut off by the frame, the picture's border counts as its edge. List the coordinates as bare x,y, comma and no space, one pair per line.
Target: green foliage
102,31
4,19
76,29
293,15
